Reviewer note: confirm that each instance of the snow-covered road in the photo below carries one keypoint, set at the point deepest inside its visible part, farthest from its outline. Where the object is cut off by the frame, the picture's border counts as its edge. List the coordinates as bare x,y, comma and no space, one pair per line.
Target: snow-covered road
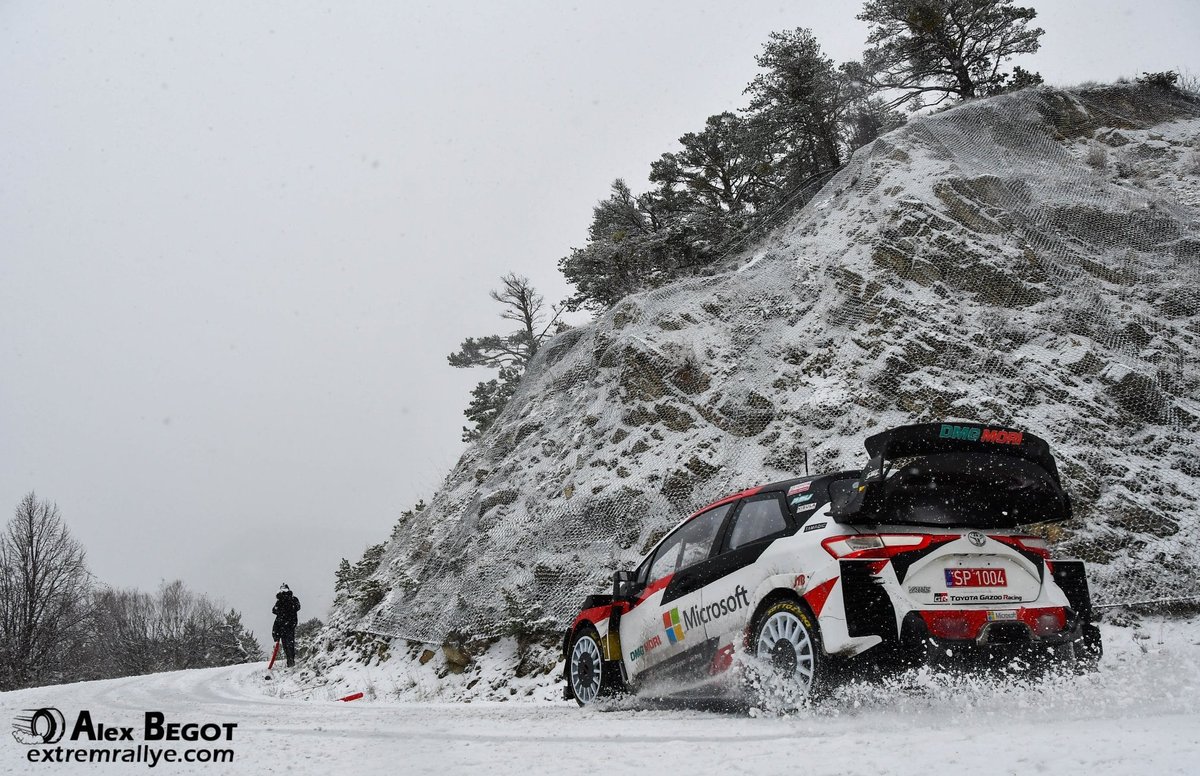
1140,714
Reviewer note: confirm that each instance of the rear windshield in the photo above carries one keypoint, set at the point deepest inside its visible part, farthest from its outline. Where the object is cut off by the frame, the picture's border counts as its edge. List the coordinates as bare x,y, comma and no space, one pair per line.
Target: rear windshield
979,490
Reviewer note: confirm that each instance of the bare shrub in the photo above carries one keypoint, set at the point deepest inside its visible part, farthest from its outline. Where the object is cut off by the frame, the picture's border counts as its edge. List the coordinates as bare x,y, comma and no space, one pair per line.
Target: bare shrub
1165,80
1097,156
1189,82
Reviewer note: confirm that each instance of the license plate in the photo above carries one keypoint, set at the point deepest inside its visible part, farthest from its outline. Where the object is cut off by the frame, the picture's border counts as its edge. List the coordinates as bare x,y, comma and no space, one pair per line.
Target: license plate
976,578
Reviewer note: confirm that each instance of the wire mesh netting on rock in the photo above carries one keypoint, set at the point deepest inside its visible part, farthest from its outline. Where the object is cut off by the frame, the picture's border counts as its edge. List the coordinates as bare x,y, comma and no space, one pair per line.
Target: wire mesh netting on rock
1029,260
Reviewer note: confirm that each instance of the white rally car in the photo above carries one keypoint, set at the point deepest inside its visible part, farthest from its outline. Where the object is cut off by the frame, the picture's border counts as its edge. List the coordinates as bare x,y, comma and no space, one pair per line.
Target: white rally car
918,555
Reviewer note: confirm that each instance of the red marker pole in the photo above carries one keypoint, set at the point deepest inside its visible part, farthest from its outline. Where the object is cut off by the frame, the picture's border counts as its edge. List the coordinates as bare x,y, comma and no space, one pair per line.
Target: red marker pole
353,697
274,654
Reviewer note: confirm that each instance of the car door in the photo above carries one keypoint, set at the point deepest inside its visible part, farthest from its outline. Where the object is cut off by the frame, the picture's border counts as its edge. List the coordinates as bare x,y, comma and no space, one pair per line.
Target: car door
735,571
658,634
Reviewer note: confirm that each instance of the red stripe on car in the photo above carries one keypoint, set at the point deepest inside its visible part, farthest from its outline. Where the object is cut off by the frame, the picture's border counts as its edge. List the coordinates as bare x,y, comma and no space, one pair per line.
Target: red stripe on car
817,596
597,613
726,500
651,589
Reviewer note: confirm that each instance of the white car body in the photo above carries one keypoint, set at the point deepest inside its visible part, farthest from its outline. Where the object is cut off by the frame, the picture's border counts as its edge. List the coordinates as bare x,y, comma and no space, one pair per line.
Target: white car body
871,588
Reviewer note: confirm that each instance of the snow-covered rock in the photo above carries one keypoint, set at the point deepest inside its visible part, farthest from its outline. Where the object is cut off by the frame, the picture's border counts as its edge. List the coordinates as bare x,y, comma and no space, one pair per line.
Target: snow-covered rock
1029,260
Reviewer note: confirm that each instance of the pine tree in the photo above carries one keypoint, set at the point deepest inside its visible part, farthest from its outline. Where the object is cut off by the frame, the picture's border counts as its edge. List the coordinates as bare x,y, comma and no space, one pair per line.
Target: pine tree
634,243
799,105
354,583
942,49
235,644
713,184
488,399
508,353
868,118
306,634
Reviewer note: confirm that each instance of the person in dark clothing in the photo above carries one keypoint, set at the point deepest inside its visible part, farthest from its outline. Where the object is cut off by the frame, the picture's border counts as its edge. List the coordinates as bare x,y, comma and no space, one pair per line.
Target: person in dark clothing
284,630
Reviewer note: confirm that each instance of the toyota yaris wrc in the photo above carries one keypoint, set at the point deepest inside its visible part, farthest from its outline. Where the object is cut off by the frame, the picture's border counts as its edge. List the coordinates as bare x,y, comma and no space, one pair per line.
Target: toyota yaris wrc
918,556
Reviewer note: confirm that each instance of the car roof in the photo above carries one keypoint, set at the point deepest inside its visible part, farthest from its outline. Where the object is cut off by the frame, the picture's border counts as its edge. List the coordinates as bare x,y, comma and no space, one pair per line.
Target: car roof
782,485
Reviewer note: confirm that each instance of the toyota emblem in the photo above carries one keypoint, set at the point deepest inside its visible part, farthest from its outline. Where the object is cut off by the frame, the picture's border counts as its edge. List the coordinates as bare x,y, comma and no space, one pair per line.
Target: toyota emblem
977,538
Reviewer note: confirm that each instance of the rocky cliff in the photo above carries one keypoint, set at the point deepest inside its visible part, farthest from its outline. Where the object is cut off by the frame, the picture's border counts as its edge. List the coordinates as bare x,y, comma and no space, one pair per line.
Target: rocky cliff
1030,260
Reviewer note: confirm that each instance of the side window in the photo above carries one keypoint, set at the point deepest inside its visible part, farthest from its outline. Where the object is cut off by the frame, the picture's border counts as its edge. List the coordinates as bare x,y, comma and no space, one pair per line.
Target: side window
758,519
691,543
665,559
701,534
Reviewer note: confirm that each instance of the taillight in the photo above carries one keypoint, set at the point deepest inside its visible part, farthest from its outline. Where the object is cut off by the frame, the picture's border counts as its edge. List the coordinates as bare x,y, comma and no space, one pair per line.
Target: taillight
873,545
1050,621
1035,544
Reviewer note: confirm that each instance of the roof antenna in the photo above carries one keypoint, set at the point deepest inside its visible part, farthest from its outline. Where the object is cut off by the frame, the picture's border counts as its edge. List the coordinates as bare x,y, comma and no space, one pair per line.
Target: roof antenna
805,463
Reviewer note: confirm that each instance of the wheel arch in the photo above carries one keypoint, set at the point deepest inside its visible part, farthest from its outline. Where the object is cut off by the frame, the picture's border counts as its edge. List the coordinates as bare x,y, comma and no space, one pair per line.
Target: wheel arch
569,636
581,624
612,678
600,622
770,599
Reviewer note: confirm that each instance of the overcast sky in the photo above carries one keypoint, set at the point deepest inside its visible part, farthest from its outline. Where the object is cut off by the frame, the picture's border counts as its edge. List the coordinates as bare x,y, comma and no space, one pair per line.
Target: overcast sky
237,240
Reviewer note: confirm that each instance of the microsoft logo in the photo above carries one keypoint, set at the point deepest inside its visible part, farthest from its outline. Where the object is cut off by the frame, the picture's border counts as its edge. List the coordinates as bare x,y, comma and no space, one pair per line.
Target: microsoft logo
672,626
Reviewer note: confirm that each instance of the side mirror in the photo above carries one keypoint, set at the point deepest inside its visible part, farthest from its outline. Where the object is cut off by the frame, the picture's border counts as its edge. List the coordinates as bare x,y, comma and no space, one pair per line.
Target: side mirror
623,585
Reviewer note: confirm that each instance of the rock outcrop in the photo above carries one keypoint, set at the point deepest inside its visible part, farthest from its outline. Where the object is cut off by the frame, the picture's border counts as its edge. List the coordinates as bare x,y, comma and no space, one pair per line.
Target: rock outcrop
1030,260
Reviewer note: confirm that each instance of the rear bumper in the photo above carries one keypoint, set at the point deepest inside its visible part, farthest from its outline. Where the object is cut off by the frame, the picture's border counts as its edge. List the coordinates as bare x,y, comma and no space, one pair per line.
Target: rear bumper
874,605
1049,624
975,631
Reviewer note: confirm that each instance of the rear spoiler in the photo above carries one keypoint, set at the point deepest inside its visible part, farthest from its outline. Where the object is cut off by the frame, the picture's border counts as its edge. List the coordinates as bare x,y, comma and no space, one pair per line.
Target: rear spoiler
863,499
927,438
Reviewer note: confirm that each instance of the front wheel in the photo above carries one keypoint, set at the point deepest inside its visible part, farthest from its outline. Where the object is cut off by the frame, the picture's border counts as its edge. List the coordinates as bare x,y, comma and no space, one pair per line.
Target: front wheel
586,669
786,642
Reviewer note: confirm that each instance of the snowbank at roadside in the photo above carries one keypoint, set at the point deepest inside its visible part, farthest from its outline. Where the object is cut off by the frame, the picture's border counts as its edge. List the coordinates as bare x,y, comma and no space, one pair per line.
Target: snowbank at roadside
1139,714
1156,660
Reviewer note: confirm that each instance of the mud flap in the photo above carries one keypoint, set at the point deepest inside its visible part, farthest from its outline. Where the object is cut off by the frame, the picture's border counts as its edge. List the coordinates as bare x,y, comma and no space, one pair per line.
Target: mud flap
869,610
1070,576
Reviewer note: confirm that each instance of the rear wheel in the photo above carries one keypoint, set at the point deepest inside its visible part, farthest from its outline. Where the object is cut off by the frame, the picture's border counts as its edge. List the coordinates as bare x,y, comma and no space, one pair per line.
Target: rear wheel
788,647
585,669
